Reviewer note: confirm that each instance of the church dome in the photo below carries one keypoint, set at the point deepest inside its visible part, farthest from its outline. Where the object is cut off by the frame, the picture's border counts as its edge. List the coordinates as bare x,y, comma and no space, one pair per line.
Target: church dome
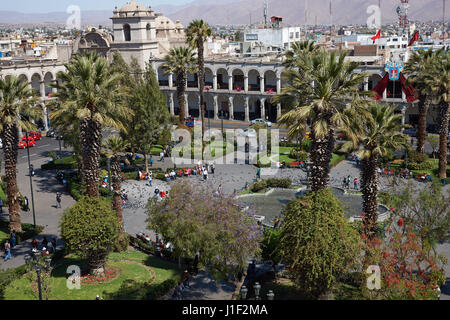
133,6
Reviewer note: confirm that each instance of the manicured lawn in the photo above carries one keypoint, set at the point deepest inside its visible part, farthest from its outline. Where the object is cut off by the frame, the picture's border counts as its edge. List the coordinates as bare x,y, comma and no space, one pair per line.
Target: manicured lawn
4,234
3,196
21,290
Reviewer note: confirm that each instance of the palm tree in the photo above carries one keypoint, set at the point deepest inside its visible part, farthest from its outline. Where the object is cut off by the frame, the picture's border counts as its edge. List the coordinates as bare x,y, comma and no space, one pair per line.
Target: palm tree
17,104
197,33
181,61
376,134
319,87
116,145
438,81
298,49
417,68
91,92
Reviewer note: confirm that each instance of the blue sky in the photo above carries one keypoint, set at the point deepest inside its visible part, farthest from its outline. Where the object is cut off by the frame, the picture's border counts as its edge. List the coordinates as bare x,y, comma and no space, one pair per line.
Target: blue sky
44,6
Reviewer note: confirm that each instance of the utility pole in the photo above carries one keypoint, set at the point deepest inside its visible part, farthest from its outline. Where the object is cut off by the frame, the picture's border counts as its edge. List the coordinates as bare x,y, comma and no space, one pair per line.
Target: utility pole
443,23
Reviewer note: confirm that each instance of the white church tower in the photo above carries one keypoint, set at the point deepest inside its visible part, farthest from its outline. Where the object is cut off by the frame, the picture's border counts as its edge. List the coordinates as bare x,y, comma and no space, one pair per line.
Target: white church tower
135,32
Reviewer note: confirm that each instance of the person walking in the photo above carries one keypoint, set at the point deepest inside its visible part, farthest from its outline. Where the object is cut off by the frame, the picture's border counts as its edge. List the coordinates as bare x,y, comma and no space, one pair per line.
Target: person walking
58,200
348,182
34,243
213,168
344,183
1,206
44,242
7,250
186,279
13,240
205,174
26,204
54,244
150,179
355,183
258,173
151,161
161,156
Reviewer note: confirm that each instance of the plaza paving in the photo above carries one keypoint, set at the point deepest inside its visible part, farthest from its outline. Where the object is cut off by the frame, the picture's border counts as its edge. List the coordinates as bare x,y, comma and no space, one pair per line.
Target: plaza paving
232,177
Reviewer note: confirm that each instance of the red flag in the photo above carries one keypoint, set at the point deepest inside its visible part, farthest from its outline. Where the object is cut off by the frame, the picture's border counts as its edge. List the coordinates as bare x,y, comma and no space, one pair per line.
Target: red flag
414,38
377,36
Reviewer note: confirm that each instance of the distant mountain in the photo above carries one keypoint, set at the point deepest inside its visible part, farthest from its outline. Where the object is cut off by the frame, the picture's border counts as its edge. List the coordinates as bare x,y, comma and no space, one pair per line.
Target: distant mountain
244,11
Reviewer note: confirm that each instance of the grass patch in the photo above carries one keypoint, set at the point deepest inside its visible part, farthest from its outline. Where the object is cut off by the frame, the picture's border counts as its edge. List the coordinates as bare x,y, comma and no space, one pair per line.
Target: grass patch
20,289
28,232
336,159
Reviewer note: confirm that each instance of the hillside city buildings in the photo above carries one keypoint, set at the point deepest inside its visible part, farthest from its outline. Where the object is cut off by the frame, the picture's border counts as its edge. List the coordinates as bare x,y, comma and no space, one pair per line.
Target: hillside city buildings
243,67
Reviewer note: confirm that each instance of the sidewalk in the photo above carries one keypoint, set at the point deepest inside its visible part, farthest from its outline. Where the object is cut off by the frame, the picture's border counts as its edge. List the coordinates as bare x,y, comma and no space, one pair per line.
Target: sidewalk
47,215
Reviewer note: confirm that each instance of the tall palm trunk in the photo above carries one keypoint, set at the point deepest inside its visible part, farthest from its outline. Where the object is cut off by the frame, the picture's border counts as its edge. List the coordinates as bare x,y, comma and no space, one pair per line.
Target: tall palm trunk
116,182
91,155
181,89
146,161
201,74
369,186
424,105
10,140
321,153
443,137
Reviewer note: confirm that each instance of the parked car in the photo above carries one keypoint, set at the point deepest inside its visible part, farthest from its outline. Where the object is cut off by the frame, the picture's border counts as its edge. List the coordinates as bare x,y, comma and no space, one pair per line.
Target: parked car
250,133
30,140
190,122
36,135
23,144
51,132
261,121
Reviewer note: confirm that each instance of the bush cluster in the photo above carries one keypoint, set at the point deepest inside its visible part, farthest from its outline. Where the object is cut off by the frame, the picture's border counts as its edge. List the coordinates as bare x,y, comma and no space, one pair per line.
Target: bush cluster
301,155
271,183
131,289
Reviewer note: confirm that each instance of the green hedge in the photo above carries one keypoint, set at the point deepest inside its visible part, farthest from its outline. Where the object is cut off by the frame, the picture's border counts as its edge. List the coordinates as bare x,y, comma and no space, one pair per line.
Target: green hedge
65,163
271,183
133,290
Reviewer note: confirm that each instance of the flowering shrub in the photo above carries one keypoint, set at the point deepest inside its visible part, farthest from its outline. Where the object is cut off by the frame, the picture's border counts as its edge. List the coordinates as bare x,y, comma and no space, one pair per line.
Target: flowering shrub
408,270
89,279
198,218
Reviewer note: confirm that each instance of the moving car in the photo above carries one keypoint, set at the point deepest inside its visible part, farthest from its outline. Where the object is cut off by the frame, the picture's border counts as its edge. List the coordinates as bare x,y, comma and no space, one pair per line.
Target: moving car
261,121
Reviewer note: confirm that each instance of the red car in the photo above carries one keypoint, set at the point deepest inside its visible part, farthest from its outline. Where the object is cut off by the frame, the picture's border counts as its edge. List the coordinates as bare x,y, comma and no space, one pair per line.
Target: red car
23,144
35,135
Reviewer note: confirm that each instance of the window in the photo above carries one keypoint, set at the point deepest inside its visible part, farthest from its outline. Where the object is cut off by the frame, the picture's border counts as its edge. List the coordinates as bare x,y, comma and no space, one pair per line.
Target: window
297,35
291,35
149,33
127,32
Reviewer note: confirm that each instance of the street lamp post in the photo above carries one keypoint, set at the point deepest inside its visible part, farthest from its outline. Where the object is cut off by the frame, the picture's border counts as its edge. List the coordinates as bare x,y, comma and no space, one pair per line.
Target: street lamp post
38,267
257,287
244,291
31,180
270,295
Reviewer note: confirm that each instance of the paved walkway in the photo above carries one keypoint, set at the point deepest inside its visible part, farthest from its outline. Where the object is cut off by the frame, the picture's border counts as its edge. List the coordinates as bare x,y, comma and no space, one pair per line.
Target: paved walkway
45,187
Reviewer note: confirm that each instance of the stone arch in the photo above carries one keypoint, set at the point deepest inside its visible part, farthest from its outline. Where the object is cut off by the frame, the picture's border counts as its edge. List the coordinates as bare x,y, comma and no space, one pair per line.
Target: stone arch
126,32
254,105
209,100
163,79
209,77
239,107
193,107
36,80
373,80
254,80
222,79
192,80
238,79
49,78
270,81
224,105
23,77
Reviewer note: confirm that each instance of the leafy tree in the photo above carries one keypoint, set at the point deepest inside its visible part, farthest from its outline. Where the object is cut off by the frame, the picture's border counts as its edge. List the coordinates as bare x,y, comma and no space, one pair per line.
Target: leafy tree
90,229
434,143
270,245
152,116
298,49
91,92
319,87
428,213
317,242
181,61
17,106
197,33
372,137
198,218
